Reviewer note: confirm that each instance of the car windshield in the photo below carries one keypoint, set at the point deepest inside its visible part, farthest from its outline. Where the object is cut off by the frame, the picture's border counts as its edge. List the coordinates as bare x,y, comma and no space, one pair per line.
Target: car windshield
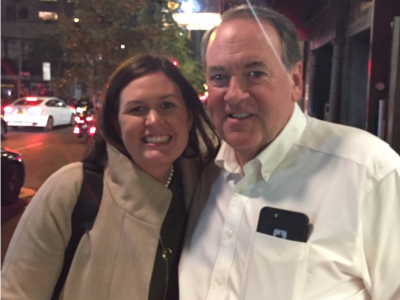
25,102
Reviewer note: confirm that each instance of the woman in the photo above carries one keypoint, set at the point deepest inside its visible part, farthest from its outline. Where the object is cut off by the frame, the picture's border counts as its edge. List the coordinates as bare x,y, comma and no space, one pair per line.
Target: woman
153,126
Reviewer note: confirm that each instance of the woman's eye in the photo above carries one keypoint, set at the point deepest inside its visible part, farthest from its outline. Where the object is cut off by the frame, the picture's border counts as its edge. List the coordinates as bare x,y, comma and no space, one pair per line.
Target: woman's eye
166,105
138,109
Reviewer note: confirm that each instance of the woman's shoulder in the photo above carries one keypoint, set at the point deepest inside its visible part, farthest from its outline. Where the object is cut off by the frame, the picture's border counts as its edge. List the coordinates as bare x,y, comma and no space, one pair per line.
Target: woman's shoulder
61,189
66,177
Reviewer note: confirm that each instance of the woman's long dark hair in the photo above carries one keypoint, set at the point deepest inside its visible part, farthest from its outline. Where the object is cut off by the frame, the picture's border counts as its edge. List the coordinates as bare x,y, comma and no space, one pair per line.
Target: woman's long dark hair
203,140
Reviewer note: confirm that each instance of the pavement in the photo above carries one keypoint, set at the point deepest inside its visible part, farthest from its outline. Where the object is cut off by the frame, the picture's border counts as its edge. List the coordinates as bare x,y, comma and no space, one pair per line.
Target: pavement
10,216
10,211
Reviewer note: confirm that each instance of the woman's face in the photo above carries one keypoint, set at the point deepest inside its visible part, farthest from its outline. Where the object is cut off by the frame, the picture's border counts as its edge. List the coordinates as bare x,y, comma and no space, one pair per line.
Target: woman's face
153,121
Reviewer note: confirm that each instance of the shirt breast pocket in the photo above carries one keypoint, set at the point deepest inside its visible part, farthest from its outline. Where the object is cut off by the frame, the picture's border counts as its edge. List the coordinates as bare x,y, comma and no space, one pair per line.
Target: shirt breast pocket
277,269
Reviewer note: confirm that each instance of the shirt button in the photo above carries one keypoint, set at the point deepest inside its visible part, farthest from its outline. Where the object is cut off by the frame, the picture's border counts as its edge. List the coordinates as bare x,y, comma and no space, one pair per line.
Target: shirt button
229,234
219,282
266,175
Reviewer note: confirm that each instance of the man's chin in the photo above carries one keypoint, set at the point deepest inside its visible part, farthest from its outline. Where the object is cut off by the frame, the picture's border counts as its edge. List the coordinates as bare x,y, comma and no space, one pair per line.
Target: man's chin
241,140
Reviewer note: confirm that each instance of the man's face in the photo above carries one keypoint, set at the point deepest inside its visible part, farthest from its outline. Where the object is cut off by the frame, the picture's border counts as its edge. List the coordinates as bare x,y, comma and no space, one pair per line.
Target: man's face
251,95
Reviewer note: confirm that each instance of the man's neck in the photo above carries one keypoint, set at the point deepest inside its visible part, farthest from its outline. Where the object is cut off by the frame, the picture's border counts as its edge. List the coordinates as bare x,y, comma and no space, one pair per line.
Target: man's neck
244,156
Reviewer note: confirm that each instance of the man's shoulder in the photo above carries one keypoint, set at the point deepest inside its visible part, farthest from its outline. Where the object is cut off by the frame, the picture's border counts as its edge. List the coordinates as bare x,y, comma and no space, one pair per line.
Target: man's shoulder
349,143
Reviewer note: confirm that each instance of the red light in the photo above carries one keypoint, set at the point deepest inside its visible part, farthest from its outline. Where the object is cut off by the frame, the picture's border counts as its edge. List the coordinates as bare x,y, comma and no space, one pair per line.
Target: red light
7,109
89,119
203,97
92,130
76,130
175,62
31,98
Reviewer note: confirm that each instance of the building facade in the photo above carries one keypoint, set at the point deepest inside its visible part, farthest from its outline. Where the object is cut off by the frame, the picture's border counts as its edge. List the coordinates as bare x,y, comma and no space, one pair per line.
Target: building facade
22,23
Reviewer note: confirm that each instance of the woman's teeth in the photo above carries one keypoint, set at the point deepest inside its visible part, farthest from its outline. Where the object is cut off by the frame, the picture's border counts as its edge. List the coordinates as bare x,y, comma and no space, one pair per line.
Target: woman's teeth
157,139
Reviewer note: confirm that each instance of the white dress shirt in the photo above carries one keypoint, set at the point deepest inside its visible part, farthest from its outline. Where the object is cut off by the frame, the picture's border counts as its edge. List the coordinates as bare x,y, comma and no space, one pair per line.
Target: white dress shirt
345,180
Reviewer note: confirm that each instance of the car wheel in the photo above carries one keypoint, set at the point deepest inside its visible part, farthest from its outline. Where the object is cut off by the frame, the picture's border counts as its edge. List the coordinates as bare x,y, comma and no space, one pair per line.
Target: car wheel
3,130
11,184
50,124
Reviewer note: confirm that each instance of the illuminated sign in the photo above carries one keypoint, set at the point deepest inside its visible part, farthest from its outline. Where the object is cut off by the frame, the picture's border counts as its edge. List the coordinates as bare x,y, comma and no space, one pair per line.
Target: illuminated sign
190,6
46,71
197,21
185,6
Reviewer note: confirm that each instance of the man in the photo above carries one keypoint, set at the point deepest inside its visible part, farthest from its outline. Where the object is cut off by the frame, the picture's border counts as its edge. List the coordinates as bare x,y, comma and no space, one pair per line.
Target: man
344,180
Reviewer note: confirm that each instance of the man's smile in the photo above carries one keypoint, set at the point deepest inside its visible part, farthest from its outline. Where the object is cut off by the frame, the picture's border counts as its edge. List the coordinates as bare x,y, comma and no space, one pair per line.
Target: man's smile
239,116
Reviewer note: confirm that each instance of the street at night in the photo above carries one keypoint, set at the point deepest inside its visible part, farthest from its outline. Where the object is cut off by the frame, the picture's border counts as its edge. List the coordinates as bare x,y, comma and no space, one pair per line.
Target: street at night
200,149
43,153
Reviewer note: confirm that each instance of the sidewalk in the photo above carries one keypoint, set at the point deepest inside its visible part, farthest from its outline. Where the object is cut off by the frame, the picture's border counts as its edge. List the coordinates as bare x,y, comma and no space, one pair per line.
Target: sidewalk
8,212
10,216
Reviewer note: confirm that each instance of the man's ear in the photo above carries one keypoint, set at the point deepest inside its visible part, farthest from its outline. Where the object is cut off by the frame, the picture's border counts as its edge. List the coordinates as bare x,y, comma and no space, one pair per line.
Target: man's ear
297,78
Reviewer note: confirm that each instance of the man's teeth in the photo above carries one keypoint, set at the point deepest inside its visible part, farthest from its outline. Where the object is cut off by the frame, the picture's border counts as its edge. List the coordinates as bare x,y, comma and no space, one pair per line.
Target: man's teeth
239,116
157,139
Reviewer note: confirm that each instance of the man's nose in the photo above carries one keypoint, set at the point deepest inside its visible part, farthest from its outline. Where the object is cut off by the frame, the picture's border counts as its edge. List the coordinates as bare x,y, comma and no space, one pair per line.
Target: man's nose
153,117
236,91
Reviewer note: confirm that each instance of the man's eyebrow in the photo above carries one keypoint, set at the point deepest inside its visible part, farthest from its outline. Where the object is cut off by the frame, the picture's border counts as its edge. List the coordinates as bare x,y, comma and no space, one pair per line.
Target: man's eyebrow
247,65
259,64
216,68
255,63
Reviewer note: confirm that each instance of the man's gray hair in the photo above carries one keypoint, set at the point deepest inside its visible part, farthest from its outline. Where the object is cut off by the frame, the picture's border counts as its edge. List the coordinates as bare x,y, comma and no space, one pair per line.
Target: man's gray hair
285,28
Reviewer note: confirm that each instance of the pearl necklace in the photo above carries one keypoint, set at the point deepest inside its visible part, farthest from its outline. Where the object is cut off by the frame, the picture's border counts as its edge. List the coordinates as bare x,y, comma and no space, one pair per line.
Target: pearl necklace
171,173
166,253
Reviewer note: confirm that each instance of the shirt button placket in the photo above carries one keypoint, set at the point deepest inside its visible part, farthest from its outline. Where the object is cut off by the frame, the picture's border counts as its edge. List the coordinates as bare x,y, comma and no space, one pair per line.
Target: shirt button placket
218,281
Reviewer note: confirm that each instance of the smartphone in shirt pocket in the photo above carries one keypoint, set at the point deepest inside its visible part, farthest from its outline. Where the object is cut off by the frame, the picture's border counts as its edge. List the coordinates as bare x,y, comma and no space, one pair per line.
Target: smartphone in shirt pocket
278,261
285,224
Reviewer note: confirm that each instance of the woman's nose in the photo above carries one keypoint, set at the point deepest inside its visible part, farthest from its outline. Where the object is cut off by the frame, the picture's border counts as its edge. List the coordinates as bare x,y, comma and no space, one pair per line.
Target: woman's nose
153,117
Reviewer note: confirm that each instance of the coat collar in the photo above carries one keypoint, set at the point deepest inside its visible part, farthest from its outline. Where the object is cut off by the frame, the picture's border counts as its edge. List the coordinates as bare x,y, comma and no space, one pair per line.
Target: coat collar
139,194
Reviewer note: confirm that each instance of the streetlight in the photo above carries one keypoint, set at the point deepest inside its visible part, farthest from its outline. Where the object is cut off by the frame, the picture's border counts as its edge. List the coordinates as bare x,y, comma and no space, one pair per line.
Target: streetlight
122,46
76,20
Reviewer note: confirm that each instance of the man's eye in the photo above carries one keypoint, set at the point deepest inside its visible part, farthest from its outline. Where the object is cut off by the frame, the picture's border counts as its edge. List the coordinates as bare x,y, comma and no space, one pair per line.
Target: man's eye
218,77
166,105
256,74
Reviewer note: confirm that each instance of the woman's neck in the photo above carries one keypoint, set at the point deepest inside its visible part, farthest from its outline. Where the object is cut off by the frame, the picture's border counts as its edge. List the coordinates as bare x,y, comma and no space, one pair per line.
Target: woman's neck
161,174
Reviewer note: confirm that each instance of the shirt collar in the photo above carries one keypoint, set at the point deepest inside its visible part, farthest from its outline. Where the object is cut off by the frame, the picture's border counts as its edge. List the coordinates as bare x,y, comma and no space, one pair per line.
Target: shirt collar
272,155
226,159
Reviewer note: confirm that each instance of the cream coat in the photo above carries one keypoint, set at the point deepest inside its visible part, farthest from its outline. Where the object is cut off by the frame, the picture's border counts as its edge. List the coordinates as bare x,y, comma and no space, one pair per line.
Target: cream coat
115,259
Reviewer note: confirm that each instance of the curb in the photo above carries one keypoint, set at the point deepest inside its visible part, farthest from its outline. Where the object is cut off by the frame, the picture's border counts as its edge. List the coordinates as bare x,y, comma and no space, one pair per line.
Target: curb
25,193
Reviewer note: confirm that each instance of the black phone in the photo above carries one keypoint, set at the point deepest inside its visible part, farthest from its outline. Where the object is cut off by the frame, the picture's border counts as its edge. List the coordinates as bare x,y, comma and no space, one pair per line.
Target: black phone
283,224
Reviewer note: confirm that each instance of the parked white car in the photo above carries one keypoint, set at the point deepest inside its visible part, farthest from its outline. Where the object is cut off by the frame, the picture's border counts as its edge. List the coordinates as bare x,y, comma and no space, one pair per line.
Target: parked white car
45,112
